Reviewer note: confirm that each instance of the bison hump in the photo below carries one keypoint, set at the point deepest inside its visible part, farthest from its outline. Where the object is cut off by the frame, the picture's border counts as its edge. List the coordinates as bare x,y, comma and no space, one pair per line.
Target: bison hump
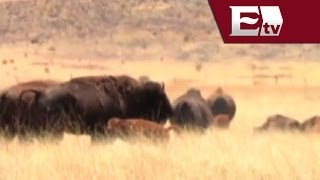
185,111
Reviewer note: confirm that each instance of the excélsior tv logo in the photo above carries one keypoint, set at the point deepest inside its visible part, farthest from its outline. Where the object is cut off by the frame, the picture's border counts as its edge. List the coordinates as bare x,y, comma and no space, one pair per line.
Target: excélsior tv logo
271,20
267,21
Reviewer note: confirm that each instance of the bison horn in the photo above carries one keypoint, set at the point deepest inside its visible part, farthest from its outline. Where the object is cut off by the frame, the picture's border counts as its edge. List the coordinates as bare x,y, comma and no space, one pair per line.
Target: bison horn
162,86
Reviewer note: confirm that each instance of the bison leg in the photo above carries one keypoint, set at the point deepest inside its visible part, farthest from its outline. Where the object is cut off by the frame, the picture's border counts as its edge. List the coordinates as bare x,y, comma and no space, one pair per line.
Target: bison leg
8,133
25,137
7,123
52,131
54,137
99,135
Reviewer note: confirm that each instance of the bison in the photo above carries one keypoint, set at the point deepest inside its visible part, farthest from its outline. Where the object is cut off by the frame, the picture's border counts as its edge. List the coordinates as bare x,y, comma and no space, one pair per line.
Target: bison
81,105
279,122
191,111
222,103
311,124
17,116
125,128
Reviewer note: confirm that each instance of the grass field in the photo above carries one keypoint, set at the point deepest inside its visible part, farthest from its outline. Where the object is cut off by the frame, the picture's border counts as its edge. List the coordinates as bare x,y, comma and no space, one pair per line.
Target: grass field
236,153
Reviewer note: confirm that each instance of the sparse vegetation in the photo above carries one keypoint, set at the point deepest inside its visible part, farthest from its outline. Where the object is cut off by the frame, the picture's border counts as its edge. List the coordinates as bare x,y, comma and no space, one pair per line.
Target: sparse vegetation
236,153
198,66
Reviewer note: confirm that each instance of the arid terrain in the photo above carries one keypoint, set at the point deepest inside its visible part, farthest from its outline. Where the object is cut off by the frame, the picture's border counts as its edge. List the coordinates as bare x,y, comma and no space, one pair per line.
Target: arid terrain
179,44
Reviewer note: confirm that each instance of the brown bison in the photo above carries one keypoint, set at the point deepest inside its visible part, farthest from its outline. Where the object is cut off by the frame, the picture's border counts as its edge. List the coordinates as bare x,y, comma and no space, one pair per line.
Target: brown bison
125,128
191,111
222,103
221,121
17,116
279,122
81,105
311,124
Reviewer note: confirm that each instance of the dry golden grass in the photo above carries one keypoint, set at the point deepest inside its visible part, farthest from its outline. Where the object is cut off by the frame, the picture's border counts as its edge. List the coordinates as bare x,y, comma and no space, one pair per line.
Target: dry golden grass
215,155
236,153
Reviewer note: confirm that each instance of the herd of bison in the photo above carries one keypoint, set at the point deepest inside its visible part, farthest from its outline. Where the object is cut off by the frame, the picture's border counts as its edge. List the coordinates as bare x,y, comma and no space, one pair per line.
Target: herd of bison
110,107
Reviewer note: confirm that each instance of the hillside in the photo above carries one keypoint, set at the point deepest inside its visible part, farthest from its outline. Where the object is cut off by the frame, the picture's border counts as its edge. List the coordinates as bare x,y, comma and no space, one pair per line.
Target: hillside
130,29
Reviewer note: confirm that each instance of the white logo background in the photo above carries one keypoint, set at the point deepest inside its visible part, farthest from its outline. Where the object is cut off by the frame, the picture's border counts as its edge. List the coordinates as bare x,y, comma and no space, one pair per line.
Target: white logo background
271,21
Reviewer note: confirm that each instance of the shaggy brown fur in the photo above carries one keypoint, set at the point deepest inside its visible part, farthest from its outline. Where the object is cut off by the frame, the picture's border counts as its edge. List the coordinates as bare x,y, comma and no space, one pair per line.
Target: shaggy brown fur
311,124
134,127
17,116
279,122
222,103
16,90
191,111
88,101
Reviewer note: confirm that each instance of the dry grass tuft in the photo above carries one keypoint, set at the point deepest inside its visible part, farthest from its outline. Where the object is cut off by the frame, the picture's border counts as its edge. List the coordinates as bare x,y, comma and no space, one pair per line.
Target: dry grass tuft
215,155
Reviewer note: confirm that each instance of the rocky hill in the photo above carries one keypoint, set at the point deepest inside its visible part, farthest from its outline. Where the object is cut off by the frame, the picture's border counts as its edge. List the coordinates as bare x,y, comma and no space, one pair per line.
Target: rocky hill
183,30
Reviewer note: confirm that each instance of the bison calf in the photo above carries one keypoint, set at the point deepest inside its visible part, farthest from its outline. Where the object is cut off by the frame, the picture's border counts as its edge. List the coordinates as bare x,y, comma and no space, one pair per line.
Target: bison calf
135,127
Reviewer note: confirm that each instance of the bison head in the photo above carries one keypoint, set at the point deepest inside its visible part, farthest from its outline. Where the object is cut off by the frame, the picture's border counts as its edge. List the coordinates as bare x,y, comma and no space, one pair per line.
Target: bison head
150,102
116,127
112,123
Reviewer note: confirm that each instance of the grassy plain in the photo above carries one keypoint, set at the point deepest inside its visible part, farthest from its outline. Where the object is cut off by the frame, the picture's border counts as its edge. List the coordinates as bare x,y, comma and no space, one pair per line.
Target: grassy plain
236,153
